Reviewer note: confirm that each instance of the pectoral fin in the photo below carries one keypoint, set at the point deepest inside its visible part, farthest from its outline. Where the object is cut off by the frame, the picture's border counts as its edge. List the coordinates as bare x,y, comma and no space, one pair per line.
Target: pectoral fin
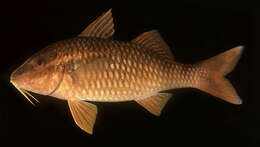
84,114
155,104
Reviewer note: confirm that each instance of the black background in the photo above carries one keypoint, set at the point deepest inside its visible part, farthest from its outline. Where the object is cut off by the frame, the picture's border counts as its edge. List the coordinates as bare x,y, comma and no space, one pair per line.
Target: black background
194,30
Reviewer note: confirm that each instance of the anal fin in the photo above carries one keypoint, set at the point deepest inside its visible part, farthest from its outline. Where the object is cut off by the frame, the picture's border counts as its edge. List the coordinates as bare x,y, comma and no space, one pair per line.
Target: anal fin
156,103
84,114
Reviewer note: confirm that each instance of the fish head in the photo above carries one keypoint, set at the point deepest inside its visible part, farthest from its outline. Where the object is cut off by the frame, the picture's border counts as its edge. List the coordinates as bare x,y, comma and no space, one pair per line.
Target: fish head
40,74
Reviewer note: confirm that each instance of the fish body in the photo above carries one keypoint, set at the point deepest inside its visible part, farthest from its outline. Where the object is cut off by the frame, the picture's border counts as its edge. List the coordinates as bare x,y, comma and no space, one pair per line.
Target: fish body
108,70
94,67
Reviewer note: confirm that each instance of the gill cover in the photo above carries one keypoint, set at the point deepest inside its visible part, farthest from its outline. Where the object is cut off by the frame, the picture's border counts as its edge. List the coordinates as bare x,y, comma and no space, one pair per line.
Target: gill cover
40,73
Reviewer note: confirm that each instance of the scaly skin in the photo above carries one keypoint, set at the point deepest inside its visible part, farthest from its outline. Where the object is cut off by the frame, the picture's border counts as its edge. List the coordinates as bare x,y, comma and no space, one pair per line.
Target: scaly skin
108,70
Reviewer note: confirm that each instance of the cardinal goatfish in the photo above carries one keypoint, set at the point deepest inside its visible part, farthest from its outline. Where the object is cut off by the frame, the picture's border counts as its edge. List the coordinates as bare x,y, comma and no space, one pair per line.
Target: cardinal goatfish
94,67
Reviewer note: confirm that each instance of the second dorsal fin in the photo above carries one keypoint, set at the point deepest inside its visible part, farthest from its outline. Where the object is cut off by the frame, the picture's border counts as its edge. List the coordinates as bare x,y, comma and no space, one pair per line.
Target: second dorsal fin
102,27
153,40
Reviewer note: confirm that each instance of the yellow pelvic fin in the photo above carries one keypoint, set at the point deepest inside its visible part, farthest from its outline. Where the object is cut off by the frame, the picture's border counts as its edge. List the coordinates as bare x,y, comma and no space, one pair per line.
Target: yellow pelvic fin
84,114
155,104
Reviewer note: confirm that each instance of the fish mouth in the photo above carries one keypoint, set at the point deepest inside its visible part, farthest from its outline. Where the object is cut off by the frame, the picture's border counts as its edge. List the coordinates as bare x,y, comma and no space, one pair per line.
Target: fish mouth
26,94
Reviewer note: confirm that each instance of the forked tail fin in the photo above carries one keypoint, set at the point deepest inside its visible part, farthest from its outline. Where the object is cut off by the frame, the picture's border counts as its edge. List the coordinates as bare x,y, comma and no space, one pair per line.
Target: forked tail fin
219,66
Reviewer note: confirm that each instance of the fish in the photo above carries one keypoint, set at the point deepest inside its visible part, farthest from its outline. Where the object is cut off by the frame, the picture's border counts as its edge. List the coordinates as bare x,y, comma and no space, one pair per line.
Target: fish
93,67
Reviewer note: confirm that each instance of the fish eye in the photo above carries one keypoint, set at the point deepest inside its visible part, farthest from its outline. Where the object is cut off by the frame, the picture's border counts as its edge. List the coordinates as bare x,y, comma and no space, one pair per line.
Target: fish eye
39,62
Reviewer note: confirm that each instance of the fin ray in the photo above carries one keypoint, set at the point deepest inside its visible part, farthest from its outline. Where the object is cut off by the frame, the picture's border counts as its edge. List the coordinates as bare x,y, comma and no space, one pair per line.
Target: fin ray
153,40
220,87
156,103
224,62
102,27
218,66
84,114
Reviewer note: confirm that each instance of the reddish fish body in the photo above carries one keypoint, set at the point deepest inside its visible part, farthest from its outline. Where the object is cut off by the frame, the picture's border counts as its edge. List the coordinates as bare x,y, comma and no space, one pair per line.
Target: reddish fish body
94,67
109,70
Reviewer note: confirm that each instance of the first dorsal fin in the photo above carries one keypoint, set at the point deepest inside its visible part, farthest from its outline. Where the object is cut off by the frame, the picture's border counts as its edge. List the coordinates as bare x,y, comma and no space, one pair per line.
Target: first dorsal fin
102,27
153,40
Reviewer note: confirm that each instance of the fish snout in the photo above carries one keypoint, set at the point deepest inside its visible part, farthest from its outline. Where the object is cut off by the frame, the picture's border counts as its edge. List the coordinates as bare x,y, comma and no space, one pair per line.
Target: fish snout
15,75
